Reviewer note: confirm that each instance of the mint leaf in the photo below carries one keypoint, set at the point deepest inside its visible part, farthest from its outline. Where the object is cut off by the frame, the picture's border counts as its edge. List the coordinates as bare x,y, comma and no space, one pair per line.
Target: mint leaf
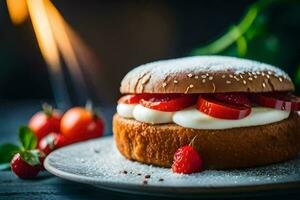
7,151
4,166
31,157
27,138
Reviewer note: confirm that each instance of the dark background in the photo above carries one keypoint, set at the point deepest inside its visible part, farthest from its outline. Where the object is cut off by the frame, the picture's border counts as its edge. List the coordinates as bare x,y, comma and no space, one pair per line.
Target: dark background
124,34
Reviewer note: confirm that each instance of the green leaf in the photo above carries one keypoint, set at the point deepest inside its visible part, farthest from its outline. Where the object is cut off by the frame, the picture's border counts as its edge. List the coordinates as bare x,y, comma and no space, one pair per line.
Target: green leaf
298,75
4,166
27,138
224,42
7,151
231,36
31,157
241,44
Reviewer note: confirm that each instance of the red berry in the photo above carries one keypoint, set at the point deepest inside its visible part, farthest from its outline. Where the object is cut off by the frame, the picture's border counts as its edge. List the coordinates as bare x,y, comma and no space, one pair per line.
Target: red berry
47,144
234,98
42,124
53,141
61,141
79,124
22,169
187,160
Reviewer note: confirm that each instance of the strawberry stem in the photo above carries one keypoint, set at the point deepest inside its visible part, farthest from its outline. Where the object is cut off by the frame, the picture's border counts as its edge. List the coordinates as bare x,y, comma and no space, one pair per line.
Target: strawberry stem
89,106
47,109
192,141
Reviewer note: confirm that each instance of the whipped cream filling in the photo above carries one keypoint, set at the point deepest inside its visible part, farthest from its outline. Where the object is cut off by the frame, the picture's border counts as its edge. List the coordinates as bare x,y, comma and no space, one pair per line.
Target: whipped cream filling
192,118
125,110
143,114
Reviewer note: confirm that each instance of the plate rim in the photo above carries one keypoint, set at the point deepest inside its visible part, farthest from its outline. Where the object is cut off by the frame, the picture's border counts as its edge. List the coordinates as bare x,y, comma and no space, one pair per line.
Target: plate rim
164,190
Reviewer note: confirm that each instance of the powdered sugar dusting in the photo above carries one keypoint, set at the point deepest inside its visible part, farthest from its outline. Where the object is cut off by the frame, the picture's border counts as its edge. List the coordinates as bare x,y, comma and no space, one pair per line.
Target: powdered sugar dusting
98,162
209,64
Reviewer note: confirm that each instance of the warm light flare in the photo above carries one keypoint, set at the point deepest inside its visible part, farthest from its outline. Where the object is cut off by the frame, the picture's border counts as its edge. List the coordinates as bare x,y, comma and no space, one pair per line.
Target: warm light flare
56,39
44,34
66,46
58,25
17,10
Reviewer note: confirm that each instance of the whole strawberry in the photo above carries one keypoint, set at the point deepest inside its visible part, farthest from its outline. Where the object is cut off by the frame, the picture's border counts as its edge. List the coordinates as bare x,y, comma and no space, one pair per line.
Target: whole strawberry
53,141
44,122
23,169
47,143
24,160
187,160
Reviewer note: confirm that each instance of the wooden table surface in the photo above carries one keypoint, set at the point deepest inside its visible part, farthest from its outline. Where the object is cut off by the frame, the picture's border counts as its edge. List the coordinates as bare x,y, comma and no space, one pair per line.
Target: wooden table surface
47,186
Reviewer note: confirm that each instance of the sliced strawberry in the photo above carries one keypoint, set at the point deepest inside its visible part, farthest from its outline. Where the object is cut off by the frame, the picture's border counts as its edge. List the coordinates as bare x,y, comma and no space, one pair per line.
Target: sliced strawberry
240,99
169,102
278,100
133,98
218,109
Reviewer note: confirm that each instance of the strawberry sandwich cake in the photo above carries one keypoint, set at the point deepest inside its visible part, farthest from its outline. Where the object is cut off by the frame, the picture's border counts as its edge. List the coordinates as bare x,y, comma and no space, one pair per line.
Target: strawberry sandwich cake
236,112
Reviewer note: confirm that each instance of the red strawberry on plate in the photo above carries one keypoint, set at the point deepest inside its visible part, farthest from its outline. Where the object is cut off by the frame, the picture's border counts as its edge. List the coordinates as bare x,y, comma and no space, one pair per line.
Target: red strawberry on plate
187,160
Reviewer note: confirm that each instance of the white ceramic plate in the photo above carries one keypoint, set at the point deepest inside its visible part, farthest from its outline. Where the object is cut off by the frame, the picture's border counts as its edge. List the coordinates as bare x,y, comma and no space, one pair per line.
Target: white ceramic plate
97,162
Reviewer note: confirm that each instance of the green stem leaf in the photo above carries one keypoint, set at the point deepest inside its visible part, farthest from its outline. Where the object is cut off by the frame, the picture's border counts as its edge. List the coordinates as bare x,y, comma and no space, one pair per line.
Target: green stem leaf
242,47
47,109
298,75
7,151
31,157
235,32
27,138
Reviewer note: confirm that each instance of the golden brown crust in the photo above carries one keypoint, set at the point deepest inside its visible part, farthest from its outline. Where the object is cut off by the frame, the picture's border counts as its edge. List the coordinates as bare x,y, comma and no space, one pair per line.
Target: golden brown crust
220,149
203,74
